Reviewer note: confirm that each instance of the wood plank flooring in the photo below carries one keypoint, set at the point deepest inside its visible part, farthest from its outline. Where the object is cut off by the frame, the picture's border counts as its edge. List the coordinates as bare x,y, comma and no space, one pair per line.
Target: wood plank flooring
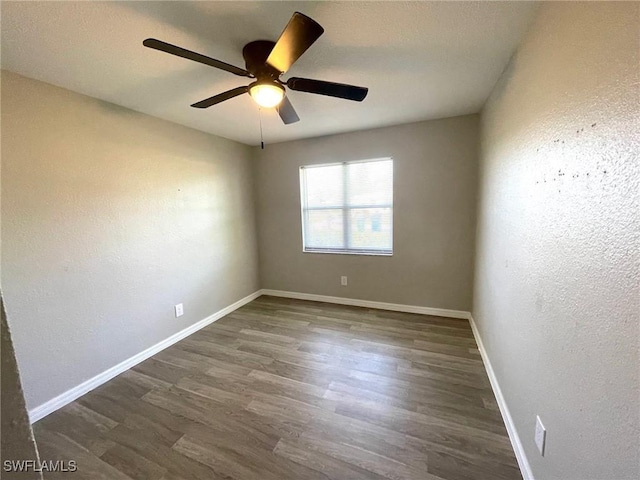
289,389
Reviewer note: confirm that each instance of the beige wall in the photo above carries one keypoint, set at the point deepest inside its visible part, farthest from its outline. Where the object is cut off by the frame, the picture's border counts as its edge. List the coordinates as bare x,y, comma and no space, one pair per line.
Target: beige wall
435,167
109,218
557,274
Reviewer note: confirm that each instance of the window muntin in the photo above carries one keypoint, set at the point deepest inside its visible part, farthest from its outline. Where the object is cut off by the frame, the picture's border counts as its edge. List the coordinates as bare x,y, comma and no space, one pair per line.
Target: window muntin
348,207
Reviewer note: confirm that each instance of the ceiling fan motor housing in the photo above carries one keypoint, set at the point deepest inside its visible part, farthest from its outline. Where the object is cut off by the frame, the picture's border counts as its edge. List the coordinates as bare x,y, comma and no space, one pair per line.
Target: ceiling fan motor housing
255,57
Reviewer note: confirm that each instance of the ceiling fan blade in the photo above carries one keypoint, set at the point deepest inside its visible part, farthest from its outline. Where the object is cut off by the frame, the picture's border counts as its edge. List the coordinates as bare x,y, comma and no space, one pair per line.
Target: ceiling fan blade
196,57
287,112
221,97
299,34
340,90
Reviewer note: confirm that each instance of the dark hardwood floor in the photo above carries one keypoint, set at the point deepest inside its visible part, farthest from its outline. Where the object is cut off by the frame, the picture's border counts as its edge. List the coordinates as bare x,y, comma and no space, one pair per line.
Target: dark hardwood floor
289,389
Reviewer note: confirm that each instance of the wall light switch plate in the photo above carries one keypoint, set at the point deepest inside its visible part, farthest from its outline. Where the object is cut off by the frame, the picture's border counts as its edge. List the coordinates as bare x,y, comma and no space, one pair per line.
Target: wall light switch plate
179,310
343,281
541,435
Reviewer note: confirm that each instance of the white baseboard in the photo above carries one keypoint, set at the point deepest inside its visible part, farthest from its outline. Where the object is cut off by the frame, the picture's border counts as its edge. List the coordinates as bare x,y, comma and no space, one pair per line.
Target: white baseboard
440,312
69,396
521,456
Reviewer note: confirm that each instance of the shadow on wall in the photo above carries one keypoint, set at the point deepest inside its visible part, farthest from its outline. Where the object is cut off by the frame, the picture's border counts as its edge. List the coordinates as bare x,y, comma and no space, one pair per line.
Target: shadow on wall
17,441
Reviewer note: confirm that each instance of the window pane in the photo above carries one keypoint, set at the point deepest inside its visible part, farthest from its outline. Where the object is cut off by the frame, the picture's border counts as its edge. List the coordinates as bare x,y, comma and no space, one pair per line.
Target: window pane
324,186
370,229
370,183
324,229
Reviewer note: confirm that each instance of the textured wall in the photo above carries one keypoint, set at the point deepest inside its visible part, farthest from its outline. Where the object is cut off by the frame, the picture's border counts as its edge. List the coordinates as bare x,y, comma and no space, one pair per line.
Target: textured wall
557,273
109,218
16,435
435,166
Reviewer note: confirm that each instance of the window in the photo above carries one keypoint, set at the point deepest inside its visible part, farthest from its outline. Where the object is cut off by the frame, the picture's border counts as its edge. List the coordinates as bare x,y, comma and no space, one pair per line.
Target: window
348,207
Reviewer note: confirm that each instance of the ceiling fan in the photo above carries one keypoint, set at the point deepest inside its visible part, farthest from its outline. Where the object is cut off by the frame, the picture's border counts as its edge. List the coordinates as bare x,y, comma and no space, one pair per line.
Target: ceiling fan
266,61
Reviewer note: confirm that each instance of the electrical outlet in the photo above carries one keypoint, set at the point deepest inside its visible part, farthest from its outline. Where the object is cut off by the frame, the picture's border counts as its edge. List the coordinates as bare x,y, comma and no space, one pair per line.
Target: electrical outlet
343,281
179,310
541,435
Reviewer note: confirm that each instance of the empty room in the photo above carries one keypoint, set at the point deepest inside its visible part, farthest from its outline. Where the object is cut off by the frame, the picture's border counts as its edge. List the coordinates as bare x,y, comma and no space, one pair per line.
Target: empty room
320,240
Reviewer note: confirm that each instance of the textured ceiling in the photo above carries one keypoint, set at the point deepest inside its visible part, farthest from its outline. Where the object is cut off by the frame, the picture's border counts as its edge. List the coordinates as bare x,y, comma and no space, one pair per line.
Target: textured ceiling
420,60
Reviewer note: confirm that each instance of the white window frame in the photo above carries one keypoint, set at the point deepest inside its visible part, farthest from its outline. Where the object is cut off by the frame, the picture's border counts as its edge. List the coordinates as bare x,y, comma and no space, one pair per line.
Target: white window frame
344,208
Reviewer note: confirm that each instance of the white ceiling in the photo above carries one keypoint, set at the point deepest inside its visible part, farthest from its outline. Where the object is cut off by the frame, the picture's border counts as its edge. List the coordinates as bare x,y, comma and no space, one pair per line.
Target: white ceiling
420,60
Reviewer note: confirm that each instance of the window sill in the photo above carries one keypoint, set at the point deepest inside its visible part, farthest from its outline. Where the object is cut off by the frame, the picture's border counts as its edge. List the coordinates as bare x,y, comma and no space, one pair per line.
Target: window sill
369,254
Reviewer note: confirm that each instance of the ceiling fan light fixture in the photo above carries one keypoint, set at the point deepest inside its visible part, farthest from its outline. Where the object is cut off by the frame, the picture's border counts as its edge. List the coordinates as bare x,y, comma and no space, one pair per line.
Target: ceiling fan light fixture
266,94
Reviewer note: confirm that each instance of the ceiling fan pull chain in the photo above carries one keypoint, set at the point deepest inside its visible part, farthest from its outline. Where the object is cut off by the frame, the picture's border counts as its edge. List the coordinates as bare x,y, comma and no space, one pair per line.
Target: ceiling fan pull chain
260,117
